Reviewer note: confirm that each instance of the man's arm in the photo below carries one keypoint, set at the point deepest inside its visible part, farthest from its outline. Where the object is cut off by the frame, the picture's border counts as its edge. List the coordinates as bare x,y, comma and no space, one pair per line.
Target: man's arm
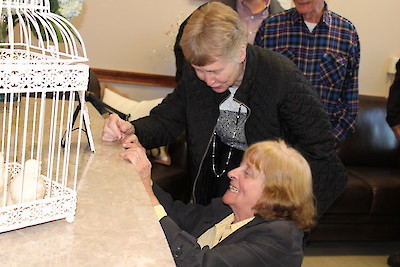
349,95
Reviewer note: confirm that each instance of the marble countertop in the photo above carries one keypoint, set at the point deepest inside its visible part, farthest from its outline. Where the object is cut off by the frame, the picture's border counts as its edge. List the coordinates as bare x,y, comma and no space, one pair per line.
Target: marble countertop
114,225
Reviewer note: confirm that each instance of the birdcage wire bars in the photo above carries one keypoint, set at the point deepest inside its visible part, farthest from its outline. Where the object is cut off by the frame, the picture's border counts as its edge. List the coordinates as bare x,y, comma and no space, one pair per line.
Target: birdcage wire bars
42,82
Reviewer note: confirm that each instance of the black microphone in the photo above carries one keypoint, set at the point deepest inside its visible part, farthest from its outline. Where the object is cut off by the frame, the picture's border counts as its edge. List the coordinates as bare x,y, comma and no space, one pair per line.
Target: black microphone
102,107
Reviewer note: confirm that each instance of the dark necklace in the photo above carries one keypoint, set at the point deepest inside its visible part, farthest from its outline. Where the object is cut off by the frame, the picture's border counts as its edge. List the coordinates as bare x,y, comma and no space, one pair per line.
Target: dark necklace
214,167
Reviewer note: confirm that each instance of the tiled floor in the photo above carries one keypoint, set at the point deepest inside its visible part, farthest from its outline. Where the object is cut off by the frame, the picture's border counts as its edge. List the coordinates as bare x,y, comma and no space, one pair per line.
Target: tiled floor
351,254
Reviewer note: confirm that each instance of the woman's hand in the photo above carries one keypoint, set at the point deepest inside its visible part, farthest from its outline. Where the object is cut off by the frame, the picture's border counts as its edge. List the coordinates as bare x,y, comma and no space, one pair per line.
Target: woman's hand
116,128
136,154
130,141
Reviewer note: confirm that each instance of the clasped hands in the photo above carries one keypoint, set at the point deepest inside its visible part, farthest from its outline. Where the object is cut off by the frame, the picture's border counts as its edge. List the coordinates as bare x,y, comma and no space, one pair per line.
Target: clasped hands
117,129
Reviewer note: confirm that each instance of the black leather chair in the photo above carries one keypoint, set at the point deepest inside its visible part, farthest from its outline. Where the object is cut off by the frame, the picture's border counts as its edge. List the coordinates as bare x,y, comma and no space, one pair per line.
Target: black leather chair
369,207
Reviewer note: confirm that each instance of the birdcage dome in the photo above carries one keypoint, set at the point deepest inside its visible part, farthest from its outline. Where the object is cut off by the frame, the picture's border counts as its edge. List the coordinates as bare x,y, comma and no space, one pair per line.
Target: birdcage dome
39,50
32,34
42,91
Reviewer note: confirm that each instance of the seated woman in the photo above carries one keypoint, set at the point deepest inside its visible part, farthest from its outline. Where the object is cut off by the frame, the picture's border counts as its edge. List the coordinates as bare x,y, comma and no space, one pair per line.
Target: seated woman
259,221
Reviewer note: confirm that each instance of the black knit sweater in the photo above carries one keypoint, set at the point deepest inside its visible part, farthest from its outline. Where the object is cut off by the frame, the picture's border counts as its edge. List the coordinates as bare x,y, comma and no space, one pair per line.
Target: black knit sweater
282,104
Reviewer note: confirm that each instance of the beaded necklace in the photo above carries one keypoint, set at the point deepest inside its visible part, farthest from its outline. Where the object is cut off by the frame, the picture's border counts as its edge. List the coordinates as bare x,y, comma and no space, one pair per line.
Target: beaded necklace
214,167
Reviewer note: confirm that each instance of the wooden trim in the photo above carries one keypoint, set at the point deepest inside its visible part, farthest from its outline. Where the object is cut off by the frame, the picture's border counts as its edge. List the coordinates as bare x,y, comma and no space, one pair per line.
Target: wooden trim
134,77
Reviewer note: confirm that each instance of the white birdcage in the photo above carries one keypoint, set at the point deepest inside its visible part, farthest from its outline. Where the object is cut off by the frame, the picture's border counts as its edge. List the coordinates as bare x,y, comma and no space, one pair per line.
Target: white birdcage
42,86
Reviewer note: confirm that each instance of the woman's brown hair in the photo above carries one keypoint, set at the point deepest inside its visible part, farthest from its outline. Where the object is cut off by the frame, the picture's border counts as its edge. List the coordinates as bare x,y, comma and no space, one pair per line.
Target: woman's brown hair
288,191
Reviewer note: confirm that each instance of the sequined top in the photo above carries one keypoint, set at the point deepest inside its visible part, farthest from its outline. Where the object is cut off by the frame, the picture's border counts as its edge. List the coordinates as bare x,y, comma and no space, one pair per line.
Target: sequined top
231,121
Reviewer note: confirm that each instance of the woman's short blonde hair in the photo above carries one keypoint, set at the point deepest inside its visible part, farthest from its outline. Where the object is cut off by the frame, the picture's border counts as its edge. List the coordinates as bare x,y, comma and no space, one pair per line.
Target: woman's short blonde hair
213,31
288,190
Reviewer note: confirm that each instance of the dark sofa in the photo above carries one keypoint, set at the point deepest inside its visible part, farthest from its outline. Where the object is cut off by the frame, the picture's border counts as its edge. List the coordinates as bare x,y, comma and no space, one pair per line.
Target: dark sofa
369,207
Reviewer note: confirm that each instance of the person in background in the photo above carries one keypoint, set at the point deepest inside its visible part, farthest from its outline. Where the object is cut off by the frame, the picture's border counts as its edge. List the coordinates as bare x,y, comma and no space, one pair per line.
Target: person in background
251,13
231,95
259,221
325,46
393,119
393,104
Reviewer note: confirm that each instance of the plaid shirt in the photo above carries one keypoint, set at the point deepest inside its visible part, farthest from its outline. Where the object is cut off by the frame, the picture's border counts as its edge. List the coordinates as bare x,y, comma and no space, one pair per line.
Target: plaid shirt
329,57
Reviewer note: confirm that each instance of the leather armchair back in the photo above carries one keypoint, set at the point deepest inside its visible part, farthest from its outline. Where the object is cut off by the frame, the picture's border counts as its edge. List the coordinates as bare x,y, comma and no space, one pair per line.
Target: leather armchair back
373,144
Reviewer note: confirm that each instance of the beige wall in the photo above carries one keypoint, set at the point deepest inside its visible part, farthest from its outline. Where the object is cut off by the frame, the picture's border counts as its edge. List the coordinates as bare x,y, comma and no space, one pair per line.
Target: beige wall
138,36
133,35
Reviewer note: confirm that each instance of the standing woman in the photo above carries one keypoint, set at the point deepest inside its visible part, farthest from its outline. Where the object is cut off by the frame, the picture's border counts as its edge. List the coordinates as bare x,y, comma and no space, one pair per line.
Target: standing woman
232,95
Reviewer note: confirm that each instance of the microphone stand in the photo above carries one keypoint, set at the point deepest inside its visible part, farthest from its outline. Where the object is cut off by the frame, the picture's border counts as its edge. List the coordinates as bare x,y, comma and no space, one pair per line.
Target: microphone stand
86,122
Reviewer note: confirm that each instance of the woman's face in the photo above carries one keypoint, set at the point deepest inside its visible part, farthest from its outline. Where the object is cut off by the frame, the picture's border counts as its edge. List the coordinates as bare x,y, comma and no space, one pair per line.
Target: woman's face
244,190
223,73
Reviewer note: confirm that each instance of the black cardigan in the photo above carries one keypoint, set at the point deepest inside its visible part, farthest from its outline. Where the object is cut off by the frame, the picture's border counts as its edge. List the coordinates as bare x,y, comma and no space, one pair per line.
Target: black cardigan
282,103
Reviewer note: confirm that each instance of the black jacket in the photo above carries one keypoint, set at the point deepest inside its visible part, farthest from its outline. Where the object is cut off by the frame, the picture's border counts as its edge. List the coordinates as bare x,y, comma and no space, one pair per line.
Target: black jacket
274,7
393,104
282,104
259,243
